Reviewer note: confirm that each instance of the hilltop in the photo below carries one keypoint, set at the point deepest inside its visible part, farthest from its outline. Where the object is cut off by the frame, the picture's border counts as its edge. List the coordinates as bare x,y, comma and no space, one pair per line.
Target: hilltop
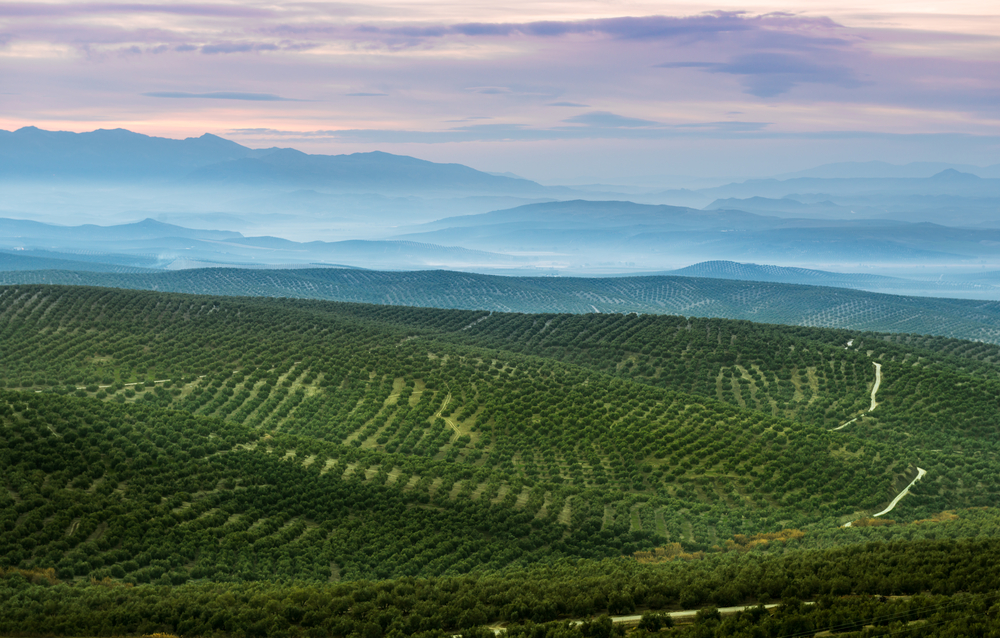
770,302
181,444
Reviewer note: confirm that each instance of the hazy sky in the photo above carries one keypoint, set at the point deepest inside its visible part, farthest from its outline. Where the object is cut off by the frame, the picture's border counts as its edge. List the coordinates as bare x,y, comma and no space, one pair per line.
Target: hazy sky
548,89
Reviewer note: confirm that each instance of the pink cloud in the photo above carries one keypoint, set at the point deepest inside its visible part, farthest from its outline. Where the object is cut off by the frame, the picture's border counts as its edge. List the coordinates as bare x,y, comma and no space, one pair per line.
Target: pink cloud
639,79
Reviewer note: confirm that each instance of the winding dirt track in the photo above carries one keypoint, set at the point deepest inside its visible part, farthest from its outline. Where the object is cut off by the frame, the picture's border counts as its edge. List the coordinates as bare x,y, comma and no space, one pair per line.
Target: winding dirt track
878,382
920,474
841,427
688,613
920,471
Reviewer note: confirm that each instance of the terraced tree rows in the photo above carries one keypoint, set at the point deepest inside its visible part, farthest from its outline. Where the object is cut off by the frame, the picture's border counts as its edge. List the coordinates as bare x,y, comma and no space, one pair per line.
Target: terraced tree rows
769,369
132,491
144,494
381,392
755,301
471,440
161,452
266,397
938,400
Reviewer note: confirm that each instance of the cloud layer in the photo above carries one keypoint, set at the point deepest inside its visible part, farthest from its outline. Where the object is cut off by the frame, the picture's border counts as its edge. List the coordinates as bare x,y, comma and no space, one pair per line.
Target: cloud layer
222,95
639,79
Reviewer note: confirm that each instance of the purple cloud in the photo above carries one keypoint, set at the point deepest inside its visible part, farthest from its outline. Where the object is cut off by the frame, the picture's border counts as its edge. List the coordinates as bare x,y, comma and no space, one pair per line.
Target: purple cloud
239,47
223,95
807,75
772,52
730,127
604,119
53,10
707,26
627,28
771,74
609,128
490,90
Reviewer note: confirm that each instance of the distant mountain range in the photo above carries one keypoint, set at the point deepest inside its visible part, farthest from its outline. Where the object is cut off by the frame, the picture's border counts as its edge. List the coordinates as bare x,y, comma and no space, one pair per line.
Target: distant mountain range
946,182
949,197
586,234
15,231
151,244
843,170
119,155
575,237
382,211
109,155
375,171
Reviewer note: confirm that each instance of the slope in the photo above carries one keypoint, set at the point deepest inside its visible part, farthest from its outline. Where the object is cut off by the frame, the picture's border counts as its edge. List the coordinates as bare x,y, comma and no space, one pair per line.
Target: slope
162,451
936,401
689,296
348,393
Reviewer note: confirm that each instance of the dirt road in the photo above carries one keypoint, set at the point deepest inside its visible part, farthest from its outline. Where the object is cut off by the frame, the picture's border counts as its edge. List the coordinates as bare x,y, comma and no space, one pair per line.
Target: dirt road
920,474
878,382
687,613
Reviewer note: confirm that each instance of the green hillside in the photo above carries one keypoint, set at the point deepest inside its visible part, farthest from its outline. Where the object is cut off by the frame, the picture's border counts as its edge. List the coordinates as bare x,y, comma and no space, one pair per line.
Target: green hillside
779,303
195,447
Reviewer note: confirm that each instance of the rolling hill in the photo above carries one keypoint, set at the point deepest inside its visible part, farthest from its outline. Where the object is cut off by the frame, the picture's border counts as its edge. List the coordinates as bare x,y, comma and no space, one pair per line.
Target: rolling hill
375,397
779,303
198,464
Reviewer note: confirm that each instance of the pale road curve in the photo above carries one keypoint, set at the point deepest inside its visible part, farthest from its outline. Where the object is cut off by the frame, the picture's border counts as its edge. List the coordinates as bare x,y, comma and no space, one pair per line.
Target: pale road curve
878,382
920,471
841,427
920,474
687,613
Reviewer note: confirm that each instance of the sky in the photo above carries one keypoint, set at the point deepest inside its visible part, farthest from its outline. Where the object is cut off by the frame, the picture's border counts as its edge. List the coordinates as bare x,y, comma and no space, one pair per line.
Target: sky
553,90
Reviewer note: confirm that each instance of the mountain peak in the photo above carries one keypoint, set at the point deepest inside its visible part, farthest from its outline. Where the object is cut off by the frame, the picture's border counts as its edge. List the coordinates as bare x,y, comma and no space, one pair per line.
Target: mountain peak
952,174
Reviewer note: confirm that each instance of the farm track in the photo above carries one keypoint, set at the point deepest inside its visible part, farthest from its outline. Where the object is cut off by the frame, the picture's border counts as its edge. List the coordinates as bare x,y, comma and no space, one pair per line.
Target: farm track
920,474
906,490
686,614
878,382
841,427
